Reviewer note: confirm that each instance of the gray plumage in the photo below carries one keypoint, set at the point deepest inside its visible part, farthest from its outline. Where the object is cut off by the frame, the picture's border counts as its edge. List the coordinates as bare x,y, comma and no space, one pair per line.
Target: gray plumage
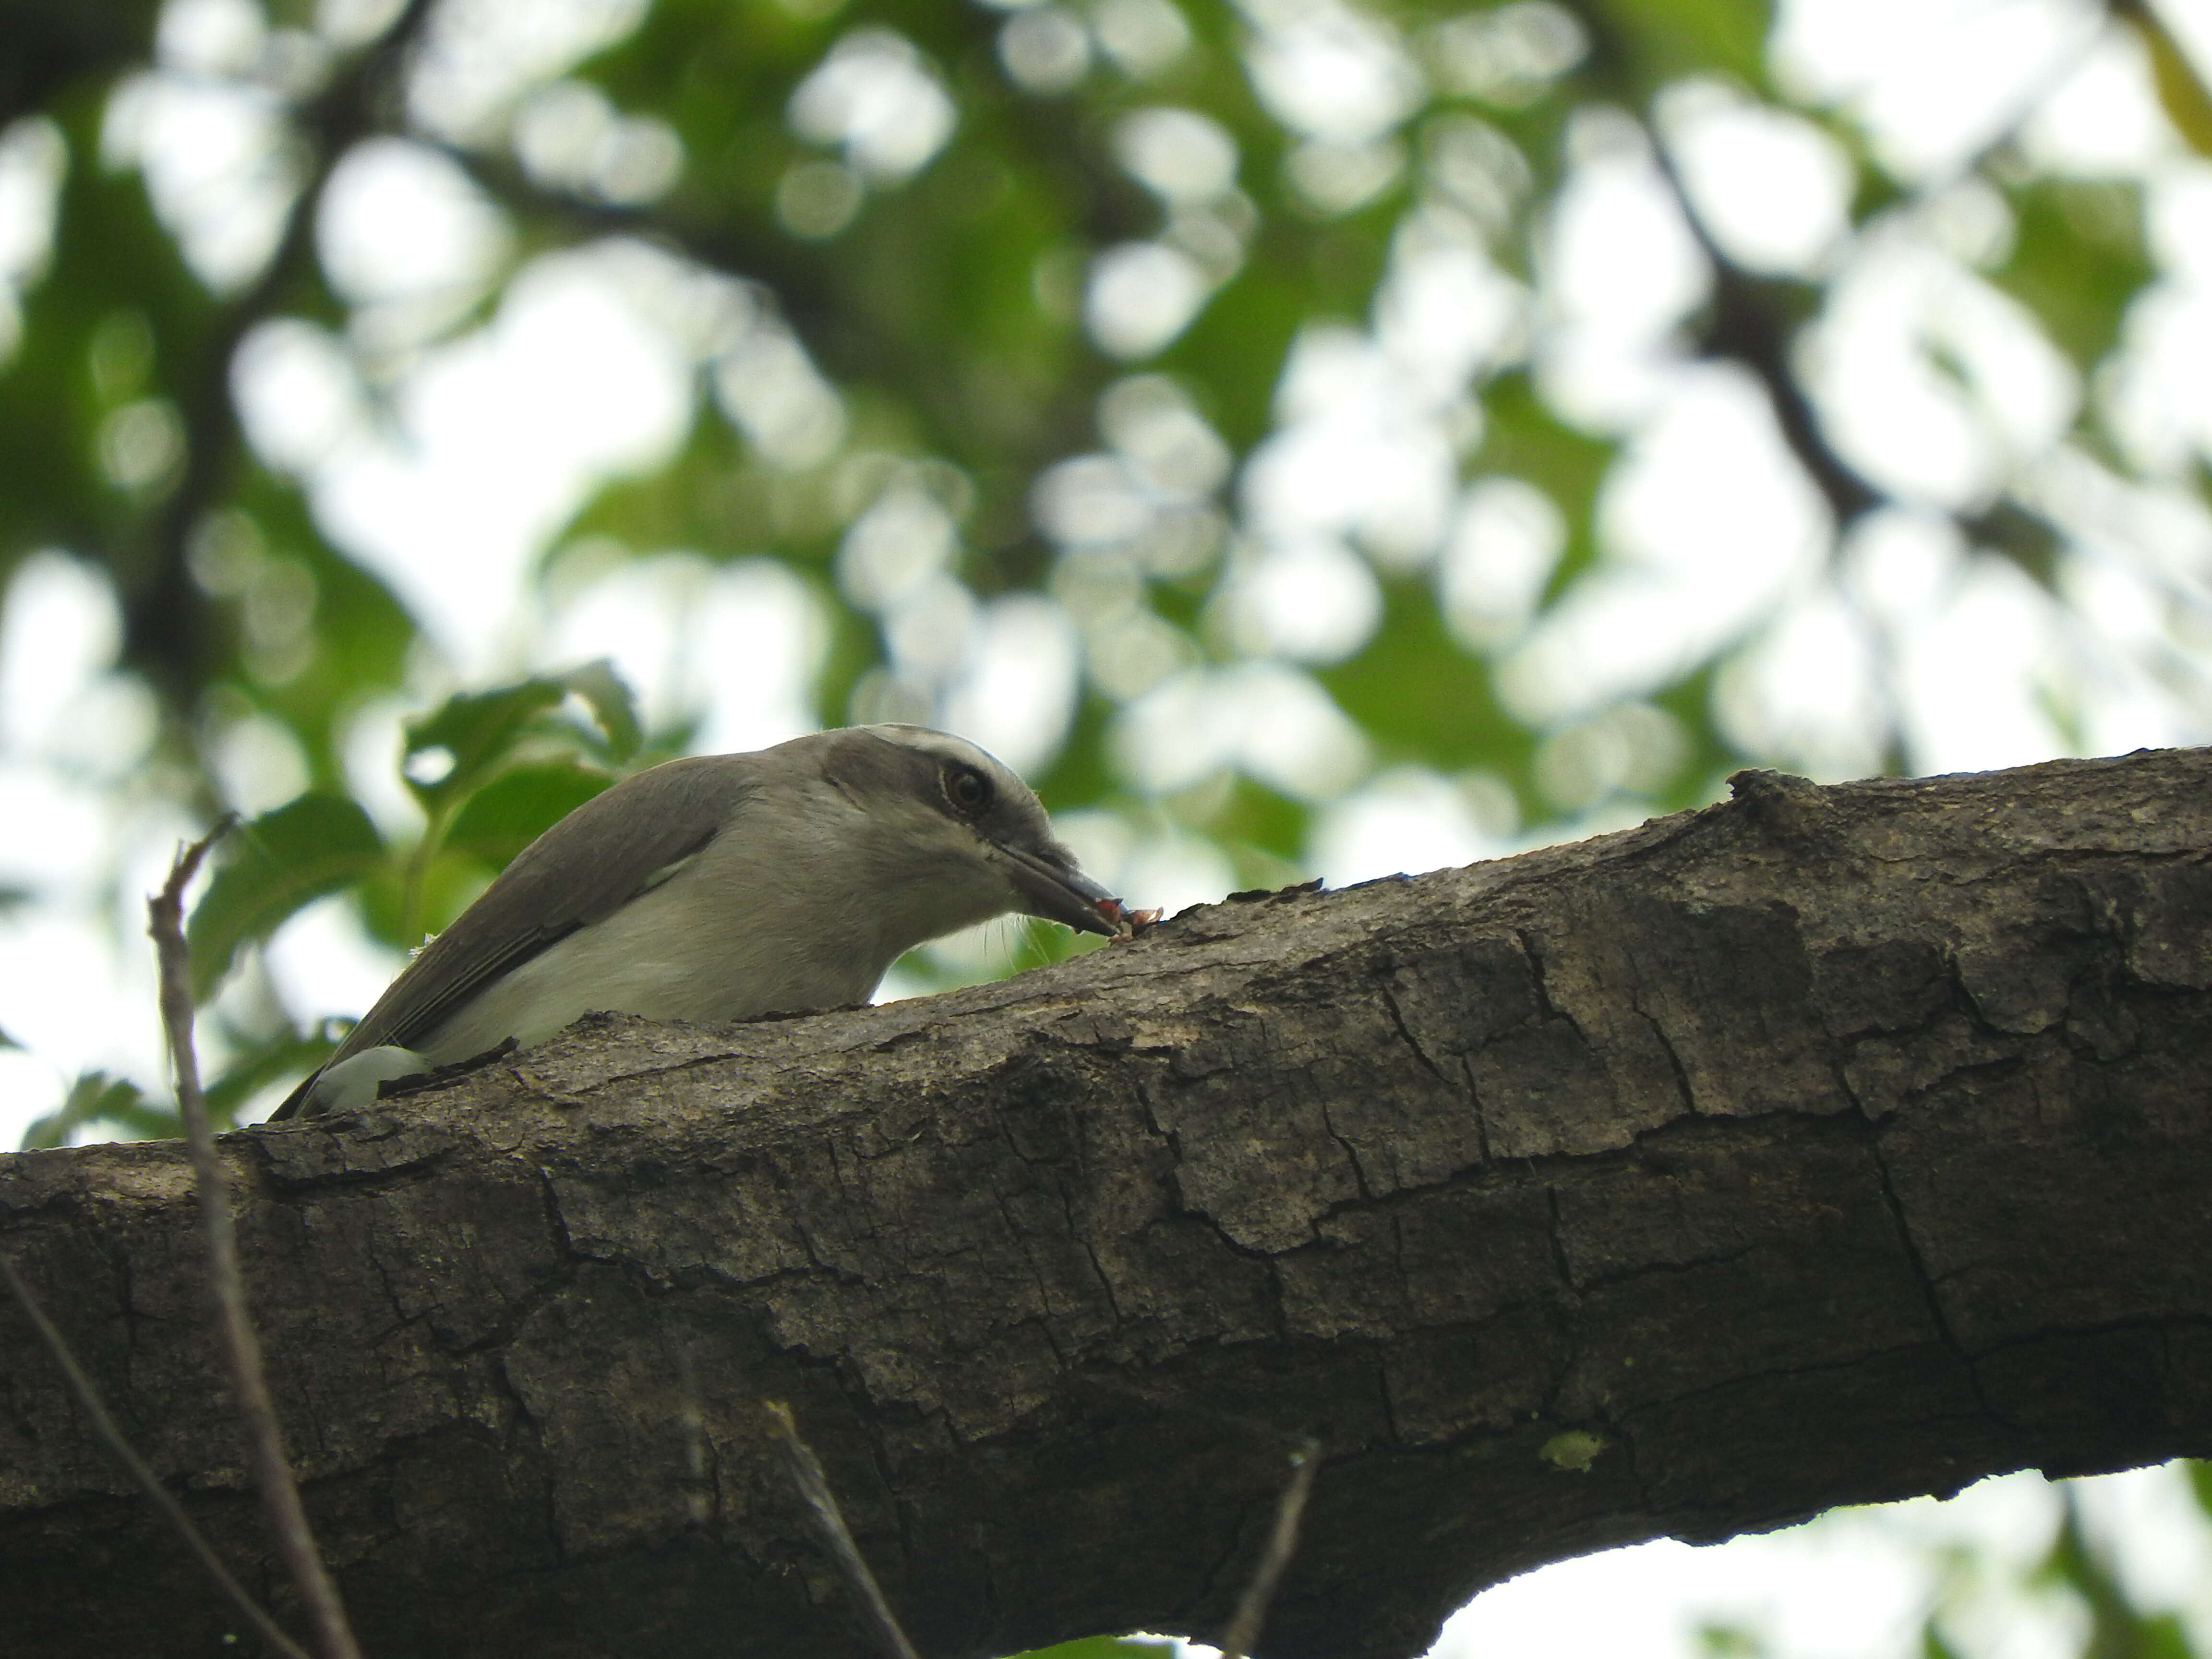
720,887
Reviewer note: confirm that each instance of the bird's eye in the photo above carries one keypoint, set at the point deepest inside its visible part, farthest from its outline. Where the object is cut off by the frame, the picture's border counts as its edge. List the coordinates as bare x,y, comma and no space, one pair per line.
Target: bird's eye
969,790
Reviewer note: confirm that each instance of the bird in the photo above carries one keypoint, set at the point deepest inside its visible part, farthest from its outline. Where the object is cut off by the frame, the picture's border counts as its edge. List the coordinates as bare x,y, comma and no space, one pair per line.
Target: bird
720,887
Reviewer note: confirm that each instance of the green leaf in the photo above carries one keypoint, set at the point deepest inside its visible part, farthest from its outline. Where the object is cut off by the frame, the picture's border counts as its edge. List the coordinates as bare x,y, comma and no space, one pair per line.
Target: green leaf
457,748
2181,94
1723,1639
453,750
1420,694
259,1066
2200,1481
96,1097
2117,1625
2078,262
426,895
1650,42
518,806
612,706
1105,1647
281,861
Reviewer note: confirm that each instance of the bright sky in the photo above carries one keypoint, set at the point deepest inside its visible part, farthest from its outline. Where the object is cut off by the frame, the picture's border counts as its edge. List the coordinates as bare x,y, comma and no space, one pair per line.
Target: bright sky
589,370
1858,1583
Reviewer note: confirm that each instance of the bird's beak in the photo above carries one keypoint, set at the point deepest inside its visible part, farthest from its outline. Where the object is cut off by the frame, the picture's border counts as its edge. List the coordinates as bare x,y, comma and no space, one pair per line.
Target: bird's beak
1064,894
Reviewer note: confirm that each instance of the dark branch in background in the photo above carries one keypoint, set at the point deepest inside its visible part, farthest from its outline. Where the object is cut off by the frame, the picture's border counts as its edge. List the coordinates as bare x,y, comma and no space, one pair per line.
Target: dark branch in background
164,614
1749,325
241,1344
829,1521
1282,1544
103,1426
53,47
1750,321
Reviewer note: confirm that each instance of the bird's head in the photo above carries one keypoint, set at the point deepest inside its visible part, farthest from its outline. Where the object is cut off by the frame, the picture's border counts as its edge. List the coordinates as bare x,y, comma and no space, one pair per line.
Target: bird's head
957,836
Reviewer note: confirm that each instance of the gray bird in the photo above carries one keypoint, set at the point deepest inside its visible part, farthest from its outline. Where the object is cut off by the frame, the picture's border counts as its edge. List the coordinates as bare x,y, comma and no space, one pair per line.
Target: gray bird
720,887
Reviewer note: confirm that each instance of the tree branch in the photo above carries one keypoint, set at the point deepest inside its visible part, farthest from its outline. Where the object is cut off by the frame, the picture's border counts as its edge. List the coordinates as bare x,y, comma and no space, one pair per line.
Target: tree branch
103,1425
1823,1147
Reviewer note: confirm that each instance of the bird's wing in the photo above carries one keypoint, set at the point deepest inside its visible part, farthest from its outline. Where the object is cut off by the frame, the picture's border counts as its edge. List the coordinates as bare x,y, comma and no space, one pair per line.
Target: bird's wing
621,842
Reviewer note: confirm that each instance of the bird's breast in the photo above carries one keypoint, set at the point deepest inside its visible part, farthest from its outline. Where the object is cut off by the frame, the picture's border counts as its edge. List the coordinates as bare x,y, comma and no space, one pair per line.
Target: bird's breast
699,950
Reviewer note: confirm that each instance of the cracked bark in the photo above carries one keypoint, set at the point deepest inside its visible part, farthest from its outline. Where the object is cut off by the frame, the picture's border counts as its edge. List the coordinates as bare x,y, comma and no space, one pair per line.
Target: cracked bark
1828,1145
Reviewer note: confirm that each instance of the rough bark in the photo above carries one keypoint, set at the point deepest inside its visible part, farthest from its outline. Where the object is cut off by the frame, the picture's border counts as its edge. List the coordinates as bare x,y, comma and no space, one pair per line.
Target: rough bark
1827,1145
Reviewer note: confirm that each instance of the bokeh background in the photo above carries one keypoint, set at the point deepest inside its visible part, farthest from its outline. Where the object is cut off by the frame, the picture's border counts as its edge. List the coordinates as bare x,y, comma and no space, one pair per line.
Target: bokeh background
1306,437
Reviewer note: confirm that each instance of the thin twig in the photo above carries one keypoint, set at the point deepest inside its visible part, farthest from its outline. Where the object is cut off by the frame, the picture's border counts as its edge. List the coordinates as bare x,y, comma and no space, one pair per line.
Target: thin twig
87,1399
1282,1544
814,1486
241,1344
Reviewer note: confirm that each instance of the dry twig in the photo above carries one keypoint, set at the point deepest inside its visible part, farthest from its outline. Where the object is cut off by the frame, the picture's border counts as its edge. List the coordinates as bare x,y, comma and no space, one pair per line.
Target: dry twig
822,1504
88,1401
241,1344
1282,1543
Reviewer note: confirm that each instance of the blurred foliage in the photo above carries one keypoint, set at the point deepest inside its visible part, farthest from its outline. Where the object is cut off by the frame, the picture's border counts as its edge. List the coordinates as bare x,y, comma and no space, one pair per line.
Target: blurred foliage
2118,1629
944,307
949,293
97,1098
